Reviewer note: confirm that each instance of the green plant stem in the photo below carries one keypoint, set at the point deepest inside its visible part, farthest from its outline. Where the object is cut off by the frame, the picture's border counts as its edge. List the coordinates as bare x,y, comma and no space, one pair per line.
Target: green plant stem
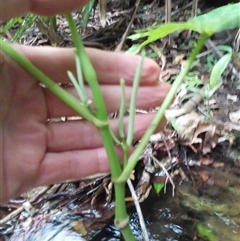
121,213
121,216
88,70
122,110
50,84
76,85
53,23
132,109
120,206
101,113
133,159
127,234
80,79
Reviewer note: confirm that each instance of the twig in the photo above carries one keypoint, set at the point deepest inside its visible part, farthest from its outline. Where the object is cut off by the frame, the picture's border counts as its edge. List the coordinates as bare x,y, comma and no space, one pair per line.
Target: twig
166,172
139,211
227,124
189,106
120,45
11,215
20,209
210,44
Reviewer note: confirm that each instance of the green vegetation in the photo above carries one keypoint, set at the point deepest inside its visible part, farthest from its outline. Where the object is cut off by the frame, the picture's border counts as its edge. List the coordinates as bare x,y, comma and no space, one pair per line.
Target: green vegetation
86,10
204,232
206,25
215,21
217,71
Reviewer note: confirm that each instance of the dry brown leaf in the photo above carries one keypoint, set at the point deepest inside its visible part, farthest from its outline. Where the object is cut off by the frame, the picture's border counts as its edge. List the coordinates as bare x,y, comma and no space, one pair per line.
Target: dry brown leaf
211,137
79,227
166,74
235,117
204,176
206,161
102,12
178,59
178,99
218,164
191,125
187,125
234,98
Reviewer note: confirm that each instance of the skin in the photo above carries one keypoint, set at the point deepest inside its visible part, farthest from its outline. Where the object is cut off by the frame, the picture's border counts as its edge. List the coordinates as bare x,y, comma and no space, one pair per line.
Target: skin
35,152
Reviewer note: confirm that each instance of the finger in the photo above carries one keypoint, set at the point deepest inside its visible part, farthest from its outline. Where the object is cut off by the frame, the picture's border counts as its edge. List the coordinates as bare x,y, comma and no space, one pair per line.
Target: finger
76,135
15,8
109,66
148,97
72,165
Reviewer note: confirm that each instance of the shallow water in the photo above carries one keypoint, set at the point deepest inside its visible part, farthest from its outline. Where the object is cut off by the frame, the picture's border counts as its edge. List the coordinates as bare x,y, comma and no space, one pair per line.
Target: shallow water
175,218
215,205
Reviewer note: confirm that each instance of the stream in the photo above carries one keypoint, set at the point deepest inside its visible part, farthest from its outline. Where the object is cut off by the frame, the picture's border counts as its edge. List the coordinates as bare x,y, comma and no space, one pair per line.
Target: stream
174,218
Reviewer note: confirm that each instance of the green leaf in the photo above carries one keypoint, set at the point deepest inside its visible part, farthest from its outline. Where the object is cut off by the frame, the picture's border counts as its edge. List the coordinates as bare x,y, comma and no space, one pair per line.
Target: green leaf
158,187
10,24
86,10
134,49
188,96
53,22
50,22
217,71
225,48
26,24
193,81
211,60
156,33
132,107
174,124
219,19
204,232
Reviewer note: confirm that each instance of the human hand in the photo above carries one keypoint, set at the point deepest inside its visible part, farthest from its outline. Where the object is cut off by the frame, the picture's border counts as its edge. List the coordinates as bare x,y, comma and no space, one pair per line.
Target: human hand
35,152
15,8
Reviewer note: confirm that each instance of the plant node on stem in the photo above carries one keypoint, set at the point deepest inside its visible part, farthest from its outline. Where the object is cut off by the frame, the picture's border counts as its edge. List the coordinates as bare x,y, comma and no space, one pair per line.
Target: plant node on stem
121,224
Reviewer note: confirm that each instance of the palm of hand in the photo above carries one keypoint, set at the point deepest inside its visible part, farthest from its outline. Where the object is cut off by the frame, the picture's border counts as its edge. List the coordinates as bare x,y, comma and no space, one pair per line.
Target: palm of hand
37,153
24,132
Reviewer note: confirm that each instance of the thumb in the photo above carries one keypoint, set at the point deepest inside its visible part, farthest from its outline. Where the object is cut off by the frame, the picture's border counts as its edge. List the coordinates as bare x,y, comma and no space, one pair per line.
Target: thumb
15,8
